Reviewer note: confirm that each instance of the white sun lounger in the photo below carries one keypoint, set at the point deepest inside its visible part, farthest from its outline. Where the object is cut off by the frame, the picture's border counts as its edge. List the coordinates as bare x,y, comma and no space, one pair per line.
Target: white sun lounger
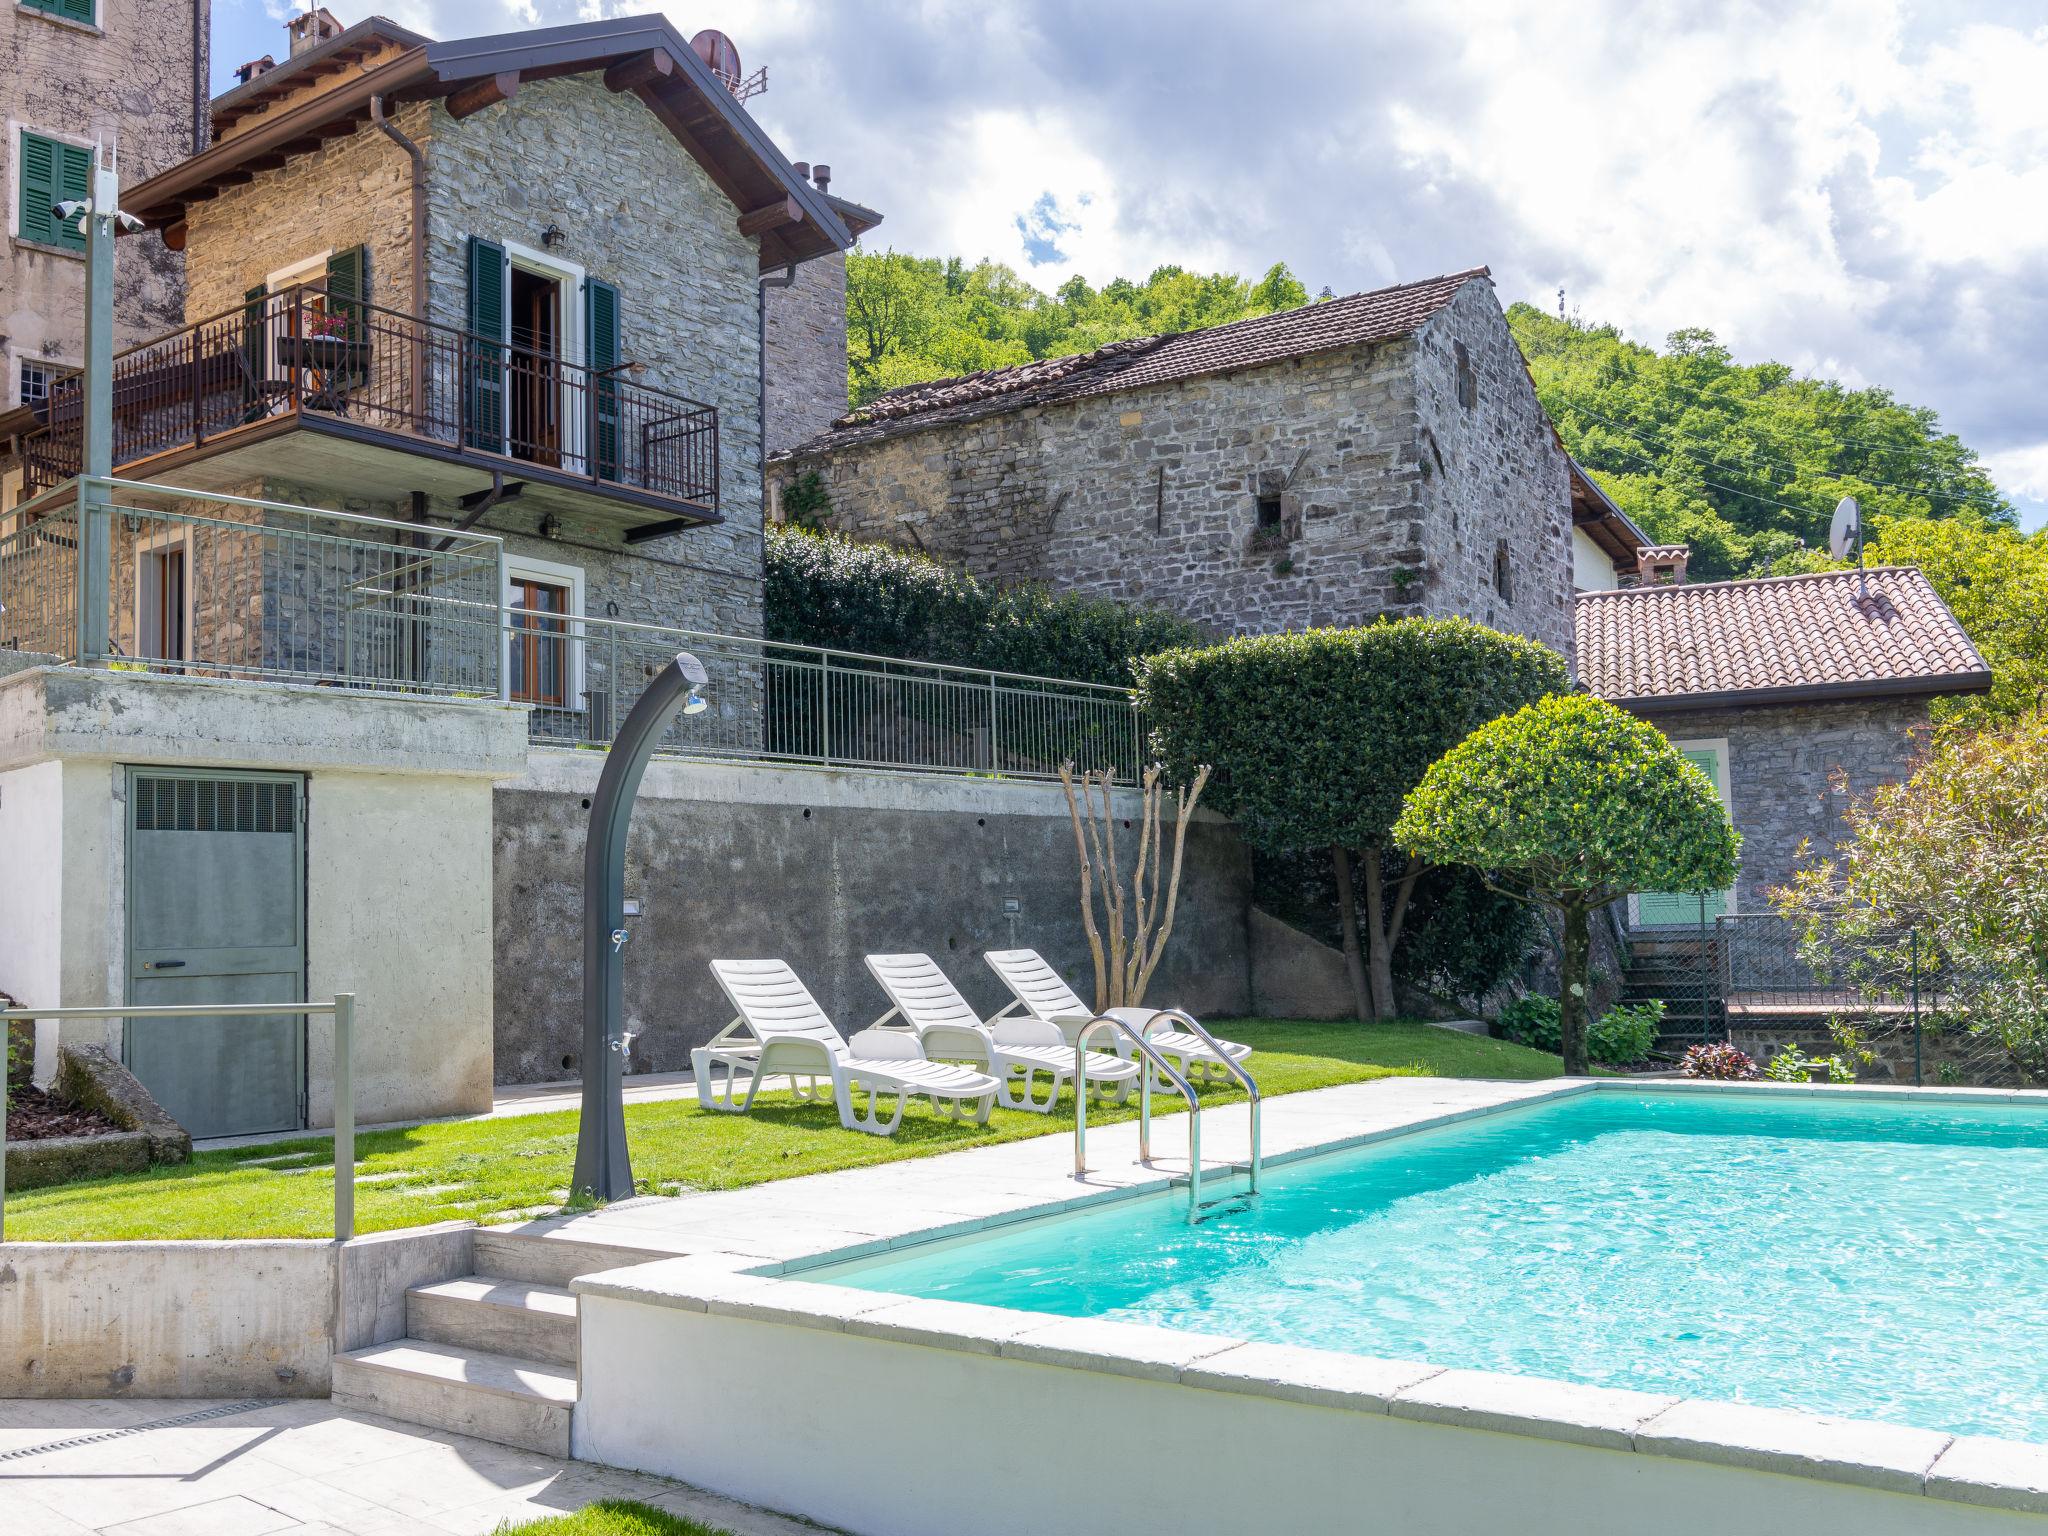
1036,988
781,1031
1015,1050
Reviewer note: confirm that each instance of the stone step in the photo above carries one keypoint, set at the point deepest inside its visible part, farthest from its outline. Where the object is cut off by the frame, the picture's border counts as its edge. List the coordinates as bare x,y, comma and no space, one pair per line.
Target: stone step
543,1260
505,1317
468,1391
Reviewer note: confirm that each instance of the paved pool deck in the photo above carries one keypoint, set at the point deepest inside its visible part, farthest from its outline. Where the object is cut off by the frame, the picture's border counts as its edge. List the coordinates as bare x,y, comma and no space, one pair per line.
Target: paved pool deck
297,1468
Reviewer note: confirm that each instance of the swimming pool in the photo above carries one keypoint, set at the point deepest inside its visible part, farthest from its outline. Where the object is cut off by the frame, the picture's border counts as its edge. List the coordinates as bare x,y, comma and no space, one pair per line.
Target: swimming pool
1876,1259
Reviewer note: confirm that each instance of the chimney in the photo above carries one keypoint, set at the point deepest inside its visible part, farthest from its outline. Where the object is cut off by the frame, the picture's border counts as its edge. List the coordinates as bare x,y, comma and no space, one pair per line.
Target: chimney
249,71
802,169
822,176
1662,565
312,29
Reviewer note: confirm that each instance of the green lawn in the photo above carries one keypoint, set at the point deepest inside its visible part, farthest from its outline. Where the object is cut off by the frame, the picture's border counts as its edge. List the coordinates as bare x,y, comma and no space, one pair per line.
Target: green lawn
613,1517
503,1169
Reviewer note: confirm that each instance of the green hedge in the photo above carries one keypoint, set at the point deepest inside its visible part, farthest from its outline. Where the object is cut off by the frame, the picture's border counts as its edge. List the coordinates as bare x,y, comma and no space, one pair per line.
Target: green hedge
823,590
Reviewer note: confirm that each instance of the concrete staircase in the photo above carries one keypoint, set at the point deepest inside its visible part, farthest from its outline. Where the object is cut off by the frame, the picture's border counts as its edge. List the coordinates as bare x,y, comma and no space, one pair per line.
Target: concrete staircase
491,1355
1681,972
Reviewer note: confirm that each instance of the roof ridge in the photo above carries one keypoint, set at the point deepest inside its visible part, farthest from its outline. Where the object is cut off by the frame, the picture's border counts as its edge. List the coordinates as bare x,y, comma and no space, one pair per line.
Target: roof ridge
1748,581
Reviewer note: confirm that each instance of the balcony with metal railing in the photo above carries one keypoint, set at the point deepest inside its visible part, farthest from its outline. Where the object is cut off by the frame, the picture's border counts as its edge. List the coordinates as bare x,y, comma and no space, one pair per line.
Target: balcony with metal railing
201,586
315,387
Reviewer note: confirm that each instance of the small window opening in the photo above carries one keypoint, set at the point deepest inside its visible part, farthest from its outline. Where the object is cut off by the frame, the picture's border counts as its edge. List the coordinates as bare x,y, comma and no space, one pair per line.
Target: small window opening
1468,376
1503,575
1269,512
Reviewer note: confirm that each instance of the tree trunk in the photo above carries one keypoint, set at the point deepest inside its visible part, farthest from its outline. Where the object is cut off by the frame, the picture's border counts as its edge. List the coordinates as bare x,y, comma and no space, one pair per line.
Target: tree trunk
1379,950
1347,910
1571,991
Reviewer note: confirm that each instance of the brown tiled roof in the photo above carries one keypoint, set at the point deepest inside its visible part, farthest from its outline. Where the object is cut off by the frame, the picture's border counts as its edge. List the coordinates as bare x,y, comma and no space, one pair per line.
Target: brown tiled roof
1355,320
1780,639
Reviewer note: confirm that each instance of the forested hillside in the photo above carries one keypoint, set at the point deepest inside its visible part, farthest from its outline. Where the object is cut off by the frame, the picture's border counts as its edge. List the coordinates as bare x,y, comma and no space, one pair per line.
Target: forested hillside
1744,462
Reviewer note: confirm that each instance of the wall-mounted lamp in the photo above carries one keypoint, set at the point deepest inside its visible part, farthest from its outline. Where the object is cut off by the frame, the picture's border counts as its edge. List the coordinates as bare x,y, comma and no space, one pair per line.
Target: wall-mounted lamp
550,526
552,236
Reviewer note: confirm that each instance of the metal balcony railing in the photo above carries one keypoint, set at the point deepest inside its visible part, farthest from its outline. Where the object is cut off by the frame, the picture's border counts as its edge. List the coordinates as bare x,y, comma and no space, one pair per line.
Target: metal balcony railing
304,354
161,579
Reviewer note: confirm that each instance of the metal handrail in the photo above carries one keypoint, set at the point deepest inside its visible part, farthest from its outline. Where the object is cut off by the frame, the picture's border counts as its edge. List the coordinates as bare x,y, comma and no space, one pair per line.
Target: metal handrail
111,484
1102,1021
1231,1065
343,1008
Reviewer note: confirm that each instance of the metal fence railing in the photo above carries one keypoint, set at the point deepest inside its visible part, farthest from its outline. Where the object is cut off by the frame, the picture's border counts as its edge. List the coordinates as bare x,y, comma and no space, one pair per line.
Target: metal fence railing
196,584
341,1009
199,584
786,703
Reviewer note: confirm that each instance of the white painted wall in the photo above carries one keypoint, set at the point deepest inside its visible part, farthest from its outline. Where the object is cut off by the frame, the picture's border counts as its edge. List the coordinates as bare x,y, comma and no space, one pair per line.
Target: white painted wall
398,911
31,852
1592,566
885,1438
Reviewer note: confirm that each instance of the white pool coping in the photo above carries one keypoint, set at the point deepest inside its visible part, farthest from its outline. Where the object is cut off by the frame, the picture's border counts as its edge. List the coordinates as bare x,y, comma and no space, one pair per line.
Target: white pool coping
740,1254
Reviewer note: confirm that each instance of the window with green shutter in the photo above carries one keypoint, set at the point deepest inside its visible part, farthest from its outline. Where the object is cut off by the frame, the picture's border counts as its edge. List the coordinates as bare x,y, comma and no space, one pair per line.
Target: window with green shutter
484,360
52,172
70,10
601,326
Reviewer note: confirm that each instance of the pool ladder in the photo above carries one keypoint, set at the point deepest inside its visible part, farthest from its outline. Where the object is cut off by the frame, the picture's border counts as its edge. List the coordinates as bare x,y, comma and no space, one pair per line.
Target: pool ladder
1157,1065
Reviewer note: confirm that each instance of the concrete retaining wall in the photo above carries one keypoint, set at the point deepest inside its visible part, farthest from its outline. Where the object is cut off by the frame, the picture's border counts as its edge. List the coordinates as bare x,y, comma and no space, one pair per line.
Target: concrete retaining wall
820,868
206,1319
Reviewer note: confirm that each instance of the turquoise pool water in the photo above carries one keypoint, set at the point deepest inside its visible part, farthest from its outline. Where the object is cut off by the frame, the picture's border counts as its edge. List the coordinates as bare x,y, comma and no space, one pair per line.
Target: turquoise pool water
1875,1259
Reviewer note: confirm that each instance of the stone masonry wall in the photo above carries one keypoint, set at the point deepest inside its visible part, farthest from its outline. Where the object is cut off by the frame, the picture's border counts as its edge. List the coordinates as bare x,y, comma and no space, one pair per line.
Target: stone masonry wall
1151,496
638,212
1494,478
806,363
1782,764
132,79
351,191
1389,502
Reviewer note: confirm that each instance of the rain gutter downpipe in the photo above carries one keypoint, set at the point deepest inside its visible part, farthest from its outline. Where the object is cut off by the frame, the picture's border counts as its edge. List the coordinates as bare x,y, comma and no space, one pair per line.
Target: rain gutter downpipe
413,152
780,279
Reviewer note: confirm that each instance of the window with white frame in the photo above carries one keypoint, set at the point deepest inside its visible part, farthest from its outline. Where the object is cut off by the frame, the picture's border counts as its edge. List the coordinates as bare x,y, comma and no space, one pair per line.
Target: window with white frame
544,638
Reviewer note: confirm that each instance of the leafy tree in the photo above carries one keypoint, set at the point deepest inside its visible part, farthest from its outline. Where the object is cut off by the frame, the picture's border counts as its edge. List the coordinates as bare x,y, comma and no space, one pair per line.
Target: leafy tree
1954,863
1571,804
1742,462
1316,737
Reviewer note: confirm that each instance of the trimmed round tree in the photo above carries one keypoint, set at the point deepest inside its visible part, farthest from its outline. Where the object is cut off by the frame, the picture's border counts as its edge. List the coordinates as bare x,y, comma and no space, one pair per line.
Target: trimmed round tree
1315,738
1572,804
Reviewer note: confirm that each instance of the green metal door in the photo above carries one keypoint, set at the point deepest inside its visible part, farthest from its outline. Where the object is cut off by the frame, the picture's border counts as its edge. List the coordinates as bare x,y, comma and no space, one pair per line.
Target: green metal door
217,914
1682,909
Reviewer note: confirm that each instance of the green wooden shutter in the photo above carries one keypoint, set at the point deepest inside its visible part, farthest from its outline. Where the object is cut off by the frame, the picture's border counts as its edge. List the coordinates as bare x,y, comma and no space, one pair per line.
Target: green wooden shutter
1683,909
70,10
348,286
484,398
601,330
255,351
52,172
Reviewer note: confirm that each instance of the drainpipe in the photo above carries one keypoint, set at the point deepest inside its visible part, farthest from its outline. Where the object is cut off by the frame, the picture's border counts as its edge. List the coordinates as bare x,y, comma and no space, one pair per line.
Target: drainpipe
781,279
419,246
199,123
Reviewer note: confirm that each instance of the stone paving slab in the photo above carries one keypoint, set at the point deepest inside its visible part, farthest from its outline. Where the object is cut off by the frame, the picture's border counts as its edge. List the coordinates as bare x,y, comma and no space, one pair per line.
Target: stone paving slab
302,1468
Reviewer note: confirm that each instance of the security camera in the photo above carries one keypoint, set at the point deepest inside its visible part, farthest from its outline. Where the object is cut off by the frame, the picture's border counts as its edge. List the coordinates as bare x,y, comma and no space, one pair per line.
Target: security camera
67,211
128,220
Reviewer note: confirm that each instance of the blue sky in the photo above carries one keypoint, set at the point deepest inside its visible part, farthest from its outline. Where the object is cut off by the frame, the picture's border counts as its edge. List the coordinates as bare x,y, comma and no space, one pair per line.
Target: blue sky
1858,188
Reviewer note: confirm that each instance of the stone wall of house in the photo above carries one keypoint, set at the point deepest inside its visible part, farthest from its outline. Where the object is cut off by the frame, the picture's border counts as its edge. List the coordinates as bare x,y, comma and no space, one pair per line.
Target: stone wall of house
1793,769
639,212
1497,534
133,79
353,190
806,345
1392,496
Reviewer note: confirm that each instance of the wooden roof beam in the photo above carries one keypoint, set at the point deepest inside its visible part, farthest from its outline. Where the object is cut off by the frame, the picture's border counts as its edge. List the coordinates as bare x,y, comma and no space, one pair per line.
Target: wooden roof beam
487,92
643,69
785,210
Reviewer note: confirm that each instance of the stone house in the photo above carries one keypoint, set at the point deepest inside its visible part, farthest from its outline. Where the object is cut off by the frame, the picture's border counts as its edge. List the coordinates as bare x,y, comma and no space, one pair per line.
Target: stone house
1379,454
130,74
1792,693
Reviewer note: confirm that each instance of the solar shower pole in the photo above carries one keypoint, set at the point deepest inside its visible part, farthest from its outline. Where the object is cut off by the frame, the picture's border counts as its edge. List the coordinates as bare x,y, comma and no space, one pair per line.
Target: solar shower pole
604,1171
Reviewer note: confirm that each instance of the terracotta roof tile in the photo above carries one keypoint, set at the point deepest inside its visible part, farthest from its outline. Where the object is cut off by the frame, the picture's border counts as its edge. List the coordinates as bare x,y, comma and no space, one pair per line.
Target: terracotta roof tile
1781,637
1355,320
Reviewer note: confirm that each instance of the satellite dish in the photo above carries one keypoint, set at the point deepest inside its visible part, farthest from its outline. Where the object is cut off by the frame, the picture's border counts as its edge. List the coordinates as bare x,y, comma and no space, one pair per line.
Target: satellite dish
717,51
1846,531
